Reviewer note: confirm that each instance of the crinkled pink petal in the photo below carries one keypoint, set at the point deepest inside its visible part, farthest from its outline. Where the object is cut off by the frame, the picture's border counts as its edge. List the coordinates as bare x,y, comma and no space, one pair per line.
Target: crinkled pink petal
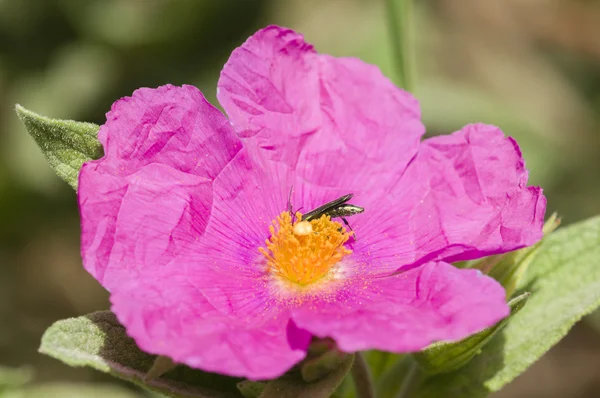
336,122
248,196
150,195
227,267
134,224
408,311
167,316
464,196
175,126
239,295
226,263
408,227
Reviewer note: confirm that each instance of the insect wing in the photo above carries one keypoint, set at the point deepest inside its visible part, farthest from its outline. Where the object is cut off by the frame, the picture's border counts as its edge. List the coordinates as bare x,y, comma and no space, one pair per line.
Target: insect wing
326,208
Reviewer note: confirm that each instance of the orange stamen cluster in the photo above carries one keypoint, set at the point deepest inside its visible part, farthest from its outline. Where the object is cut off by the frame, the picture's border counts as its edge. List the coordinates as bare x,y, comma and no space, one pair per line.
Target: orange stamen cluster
303,256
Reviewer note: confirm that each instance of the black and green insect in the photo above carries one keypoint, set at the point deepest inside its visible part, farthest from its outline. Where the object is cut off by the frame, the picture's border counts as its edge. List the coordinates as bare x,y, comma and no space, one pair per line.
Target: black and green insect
338,208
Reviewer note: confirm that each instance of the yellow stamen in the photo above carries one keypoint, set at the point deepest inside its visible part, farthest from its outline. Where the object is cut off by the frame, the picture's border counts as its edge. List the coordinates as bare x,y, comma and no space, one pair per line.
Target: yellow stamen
303,252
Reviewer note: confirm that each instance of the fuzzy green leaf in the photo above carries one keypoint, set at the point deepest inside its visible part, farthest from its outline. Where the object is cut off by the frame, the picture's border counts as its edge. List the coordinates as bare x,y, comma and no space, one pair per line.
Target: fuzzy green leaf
292,385
564,279
446,357
14,377
251,389
67,144
99,341
323,358
71,390
160,366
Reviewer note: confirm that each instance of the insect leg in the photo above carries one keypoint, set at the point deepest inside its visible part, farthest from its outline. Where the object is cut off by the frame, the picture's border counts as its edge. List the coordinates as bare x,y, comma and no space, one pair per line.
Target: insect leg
348,225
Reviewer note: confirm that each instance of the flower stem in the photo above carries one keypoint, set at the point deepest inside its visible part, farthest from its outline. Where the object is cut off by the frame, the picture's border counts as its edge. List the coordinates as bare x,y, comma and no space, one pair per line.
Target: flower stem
400,14
362,377
388,385
411,381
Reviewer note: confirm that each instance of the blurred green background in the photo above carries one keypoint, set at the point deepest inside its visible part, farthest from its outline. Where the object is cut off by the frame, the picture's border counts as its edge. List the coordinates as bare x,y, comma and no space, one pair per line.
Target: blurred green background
530,67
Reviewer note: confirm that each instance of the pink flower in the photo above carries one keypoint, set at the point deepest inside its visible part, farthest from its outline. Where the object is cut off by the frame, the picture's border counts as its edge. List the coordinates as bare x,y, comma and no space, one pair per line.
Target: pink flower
177,214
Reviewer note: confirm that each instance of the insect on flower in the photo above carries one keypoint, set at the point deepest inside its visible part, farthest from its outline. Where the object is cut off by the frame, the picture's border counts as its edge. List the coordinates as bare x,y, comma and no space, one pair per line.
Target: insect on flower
334,209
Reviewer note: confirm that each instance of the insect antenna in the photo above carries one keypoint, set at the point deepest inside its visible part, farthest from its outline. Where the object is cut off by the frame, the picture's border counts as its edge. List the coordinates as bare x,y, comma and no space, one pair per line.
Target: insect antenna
290,208
290,201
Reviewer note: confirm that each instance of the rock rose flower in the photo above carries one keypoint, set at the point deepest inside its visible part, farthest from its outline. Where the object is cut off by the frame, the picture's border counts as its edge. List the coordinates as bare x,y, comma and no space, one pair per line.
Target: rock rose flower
185,219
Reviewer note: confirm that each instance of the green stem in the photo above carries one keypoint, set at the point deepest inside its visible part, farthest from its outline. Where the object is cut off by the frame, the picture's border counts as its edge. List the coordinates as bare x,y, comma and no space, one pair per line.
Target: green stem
400,13
411,381
388,383
362,377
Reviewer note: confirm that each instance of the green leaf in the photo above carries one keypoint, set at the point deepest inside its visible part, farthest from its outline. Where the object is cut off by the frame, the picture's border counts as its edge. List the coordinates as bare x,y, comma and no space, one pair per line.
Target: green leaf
380,362
401,17
390,383
98,340
292,385
14,377
446,357
160,366
65,143
71,390
323,358
251,389
564,279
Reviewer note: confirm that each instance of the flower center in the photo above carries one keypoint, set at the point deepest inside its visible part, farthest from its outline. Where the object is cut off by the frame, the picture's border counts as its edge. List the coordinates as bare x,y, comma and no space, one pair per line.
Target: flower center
304,251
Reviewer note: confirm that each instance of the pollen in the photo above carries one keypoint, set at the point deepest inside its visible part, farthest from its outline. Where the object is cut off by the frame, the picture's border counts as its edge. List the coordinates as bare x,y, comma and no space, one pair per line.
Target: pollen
303,252
303,228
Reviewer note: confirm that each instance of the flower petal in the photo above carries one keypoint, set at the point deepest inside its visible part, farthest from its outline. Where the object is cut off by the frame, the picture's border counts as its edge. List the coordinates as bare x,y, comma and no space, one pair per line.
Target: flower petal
175,126
408,311
167,316
338,122
132,224
464,196
247,199
150,195
225,263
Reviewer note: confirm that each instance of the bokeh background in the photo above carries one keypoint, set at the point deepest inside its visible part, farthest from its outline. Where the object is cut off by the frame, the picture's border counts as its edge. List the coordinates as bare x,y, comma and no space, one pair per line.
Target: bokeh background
531,67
